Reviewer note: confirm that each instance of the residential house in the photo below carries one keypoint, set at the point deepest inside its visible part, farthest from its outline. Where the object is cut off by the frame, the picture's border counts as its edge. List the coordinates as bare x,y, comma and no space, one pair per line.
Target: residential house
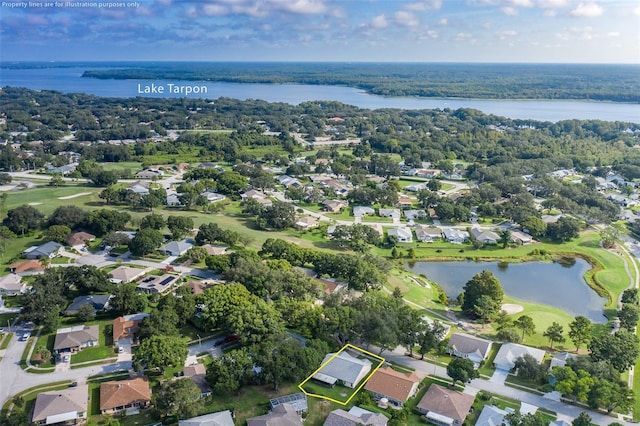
445,407
98,302
27,267
198,287
62,170
124,395
11,285
213,197
125,274
125,328
470,347
288,181
221,418
509,352
413,214
175,248
330,285
66,406
415,187
197,373
486,237
282,415
492,416
297,400
149,174
74,339
455,236
154,284
334,206
342,369
173,199
560,359
392,213
307,222
139,187
376,227
427,234
214,250
404,202
78,240
402,233
252,193
520,237
49,249
361,211
356,416
393,385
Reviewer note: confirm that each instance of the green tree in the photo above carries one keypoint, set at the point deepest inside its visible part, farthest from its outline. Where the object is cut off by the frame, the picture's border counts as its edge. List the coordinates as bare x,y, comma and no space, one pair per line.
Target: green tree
582,420
104,221
279,216
56,180
153,221
505,237
103,178
554,333
619,349
482,284
529,419
611,395
227,374
565,229
160,353
461,370
535,226
580,330
146,241
630,295
179,398
127,300
527,367
71,216
509,334
57,233
525,324
486,308
628,316
86,313
179,226
23,219
610,234
45,354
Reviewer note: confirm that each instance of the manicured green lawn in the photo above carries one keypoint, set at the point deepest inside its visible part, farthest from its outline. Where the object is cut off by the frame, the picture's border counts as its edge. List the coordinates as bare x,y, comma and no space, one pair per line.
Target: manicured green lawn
134,166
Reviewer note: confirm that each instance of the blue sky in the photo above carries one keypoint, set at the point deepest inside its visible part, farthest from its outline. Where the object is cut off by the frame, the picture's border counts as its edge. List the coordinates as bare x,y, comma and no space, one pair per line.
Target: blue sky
557,31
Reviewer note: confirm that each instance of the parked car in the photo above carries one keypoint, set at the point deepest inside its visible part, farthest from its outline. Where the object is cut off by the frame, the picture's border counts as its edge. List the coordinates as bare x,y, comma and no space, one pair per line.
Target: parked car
120,349
66,358
25,337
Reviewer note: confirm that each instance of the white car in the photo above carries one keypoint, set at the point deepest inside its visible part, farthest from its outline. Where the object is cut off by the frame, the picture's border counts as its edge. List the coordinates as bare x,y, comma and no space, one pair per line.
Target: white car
66,358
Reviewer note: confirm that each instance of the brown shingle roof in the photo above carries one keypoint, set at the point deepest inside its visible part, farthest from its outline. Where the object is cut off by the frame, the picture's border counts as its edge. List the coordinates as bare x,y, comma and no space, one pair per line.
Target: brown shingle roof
126,327
393,384
59,402
26,266
78,238
124,392
446,402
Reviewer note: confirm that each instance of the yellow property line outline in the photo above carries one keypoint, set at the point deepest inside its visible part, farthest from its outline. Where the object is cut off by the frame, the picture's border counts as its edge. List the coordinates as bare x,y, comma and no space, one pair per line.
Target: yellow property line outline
355,392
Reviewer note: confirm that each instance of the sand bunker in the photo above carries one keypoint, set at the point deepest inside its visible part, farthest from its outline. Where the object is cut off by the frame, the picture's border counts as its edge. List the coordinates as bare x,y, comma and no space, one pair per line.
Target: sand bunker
512,308
68,197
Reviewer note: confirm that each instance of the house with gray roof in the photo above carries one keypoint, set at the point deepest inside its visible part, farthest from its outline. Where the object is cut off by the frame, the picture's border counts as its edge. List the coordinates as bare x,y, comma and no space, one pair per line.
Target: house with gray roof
297,400
392,213
73,339
470,347
413,214
66,406
492,416
402,233
356,416
486,237
282,415
455,236
175,248
221,418
444,406
154,284
125,274
99,302
361,211
342,369
49,249
427,234
509,352
11,285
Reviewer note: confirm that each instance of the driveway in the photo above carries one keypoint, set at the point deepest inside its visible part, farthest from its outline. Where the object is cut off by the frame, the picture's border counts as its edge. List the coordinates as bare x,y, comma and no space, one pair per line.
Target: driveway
499,376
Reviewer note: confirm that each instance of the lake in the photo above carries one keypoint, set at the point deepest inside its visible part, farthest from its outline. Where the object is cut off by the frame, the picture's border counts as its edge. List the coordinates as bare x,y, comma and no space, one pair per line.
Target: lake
543,283
70,80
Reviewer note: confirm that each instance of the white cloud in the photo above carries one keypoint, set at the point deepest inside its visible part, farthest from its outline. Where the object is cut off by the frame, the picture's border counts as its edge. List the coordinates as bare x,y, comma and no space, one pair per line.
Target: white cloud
443,22
587,10
214,10
521,3
462,36
425,5
379,21
636,11
550,13
507,34
304,6
551,4
432,34
406,19
613,34
510,11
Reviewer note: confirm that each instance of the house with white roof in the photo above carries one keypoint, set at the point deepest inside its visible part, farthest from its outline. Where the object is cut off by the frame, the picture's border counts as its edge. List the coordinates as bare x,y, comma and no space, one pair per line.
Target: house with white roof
427,234
402,233
486,237
392,213
11,285
361,211
175,248
342,369
509,352
492,416
455,236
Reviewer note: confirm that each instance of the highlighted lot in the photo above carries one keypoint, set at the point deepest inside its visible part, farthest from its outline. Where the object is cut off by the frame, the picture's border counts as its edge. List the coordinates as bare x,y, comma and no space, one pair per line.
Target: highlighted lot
342,374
